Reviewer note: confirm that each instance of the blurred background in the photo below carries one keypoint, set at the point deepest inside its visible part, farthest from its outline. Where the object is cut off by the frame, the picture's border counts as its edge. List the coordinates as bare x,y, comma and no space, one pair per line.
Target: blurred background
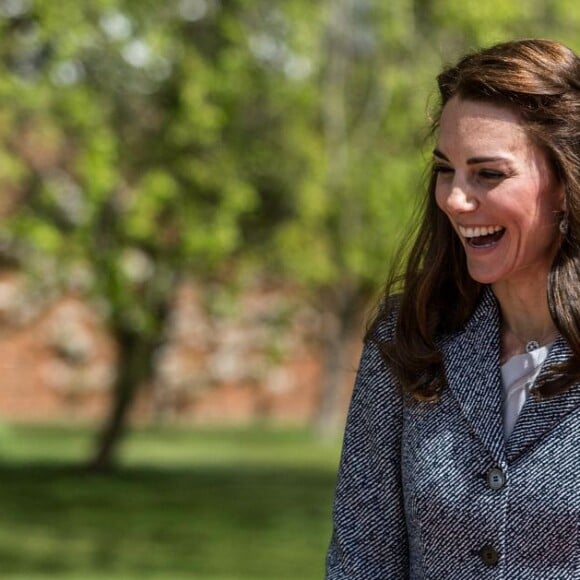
199,202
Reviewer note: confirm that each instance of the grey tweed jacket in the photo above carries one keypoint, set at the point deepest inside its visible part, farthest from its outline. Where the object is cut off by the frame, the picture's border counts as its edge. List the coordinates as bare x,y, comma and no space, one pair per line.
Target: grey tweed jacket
433,491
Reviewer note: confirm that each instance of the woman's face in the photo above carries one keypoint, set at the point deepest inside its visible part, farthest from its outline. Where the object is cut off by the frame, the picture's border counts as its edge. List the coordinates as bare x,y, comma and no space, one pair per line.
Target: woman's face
499,192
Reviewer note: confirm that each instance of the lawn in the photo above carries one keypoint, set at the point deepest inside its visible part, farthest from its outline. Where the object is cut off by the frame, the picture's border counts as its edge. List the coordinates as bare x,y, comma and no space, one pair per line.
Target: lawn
208,505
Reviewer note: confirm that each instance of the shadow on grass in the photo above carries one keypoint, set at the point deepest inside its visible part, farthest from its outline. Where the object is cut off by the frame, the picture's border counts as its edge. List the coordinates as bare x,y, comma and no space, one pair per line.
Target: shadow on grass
205,521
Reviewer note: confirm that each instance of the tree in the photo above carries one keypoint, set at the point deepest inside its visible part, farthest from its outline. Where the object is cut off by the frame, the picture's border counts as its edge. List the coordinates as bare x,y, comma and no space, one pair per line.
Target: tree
116,122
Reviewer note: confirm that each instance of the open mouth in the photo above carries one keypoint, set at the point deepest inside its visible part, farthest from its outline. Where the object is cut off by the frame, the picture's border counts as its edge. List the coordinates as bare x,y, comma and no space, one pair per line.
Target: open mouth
482,237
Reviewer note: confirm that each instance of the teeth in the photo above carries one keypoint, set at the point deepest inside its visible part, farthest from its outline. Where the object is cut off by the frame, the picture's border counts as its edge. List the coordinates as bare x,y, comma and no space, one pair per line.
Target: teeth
474,232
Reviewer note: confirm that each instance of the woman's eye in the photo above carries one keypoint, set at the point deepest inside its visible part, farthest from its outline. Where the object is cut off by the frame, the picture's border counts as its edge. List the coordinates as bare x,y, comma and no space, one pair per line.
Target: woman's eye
491,174
443,169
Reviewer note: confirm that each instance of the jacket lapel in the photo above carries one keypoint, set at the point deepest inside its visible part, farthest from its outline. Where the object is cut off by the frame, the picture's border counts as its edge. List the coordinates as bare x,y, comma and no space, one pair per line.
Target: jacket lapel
471,361
540,416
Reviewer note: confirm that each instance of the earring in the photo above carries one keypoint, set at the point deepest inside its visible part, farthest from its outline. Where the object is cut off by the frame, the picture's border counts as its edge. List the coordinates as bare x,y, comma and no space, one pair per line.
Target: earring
563,225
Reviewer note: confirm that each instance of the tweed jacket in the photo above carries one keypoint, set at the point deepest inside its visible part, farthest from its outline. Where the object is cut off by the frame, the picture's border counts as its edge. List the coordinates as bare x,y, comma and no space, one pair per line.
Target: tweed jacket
431,490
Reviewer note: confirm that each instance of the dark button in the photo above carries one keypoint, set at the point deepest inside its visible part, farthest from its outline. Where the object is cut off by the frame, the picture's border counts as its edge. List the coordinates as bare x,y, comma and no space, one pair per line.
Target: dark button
495,478
489,555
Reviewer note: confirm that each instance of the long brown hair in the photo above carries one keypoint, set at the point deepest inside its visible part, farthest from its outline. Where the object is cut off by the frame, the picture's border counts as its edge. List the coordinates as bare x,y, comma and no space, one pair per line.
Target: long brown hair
540,81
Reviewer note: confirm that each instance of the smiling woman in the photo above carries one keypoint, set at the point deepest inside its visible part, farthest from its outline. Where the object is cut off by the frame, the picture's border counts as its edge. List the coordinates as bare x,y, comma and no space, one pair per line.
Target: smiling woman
501,196
460,452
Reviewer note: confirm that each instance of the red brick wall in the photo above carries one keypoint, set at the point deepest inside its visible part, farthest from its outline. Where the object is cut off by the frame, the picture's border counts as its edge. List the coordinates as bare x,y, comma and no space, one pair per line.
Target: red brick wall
232,368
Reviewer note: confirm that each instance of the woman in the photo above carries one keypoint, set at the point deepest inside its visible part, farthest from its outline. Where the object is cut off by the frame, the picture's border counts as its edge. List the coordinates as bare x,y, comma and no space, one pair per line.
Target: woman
461,456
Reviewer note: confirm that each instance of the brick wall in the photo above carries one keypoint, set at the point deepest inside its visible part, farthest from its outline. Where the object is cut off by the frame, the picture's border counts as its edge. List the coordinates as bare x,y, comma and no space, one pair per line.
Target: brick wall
257,359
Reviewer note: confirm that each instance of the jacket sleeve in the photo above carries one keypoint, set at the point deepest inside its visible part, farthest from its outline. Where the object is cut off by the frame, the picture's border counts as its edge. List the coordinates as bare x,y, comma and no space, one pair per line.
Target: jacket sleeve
369,539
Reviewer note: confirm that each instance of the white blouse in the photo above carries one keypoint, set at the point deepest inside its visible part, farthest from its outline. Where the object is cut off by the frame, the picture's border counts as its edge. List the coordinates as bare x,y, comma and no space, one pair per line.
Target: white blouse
518,375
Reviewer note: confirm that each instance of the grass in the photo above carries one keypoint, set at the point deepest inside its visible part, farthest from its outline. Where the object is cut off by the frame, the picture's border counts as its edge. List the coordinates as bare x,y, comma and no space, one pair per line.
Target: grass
219,505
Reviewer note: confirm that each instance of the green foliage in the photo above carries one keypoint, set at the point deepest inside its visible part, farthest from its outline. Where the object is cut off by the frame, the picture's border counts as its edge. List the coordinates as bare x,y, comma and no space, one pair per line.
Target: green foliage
119,149
196,133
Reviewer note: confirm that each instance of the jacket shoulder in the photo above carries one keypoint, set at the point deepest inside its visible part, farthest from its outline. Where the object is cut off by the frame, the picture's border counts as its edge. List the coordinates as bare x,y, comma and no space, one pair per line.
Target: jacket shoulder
383,326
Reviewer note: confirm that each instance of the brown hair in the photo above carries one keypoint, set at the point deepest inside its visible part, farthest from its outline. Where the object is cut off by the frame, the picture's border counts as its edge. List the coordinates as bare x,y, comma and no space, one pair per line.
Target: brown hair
540,80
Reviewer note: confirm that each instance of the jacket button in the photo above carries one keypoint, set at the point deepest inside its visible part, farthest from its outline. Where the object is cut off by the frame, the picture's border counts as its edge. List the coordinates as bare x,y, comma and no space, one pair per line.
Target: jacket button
489,555
495,478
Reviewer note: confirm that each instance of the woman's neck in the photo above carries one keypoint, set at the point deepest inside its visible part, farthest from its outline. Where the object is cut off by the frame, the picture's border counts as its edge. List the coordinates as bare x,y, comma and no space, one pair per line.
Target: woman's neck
526,320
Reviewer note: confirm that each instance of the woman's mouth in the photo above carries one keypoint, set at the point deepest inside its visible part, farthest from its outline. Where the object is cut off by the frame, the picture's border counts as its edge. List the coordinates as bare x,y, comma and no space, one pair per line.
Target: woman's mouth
481,236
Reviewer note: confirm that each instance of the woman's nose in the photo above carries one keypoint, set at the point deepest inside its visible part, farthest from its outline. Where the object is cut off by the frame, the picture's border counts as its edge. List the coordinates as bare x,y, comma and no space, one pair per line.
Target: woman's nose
461,199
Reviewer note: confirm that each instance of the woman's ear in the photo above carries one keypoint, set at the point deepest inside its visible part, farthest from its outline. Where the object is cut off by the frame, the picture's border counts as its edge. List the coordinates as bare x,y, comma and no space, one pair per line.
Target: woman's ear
561,193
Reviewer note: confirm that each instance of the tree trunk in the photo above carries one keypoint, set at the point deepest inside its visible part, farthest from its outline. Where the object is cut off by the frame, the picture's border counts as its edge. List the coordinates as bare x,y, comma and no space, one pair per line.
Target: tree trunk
339,369
135,368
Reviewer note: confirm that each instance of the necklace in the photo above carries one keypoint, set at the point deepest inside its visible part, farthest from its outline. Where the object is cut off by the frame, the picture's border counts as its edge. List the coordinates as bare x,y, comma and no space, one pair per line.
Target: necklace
532,345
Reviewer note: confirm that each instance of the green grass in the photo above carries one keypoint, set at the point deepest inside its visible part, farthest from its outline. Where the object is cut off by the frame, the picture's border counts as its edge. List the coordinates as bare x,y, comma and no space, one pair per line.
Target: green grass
219,505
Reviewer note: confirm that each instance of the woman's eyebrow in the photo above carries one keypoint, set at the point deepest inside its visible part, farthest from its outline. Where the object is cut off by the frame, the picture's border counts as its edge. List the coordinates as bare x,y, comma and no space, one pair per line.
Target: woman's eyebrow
439,154
472,160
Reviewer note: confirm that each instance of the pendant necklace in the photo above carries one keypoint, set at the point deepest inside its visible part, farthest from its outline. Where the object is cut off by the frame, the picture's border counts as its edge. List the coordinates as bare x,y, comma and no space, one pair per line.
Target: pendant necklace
532,345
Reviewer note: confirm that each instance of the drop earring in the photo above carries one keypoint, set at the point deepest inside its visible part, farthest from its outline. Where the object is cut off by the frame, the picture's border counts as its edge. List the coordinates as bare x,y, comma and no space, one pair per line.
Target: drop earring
563,225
